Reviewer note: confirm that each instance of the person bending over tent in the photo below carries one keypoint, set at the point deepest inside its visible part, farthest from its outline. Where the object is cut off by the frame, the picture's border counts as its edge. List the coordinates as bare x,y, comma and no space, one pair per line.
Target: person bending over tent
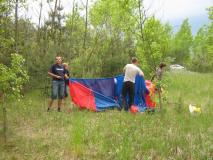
130,71
57,73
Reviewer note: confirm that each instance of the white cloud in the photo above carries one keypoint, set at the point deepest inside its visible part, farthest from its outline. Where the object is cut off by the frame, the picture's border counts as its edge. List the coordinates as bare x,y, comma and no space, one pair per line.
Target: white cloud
177,9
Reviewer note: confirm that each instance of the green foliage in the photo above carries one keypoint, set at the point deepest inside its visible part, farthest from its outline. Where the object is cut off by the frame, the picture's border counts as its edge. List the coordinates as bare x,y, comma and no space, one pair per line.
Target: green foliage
182,43
202,58
154,47
210,12
113,37
113,15
13,77
6,39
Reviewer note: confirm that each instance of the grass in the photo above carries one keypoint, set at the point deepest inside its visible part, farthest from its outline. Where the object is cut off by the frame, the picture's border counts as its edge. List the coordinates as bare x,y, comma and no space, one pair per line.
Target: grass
171,134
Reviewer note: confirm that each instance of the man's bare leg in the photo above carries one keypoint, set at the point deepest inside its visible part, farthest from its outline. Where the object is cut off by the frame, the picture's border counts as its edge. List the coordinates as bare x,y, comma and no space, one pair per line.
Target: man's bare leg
59,104
50,104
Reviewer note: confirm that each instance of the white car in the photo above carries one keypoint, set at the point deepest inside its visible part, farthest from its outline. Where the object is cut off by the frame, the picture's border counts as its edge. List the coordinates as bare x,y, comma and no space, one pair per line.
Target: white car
176,67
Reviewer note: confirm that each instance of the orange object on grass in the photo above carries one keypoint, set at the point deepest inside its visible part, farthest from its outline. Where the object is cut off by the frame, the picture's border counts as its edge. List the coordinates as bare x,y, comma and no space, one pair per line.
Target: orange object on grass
133,109
152,89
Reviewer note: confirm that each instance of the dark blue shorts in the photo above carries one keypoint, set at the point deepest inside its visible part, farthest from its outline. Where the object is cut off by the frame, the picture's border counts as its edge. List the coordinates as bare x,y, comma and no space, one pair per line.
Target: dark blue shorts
57,89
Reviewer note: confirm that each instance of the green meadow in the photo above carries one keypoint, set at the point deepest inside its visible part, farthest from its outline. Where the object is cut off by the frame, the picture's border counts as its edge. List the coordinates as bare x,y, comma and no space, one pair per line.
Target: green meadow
172,133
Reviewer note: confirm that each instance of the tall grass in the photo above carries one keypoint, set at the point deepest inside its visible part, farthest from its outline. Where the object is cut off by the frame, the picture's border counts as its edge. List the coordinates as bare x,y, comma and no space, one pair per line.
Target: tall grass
37,134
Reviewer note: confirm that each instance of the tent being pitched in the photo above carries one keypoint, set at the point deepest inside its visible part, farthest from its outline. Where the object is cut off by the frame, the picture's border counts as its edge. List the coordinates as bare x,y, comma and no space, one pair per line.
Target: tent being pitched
104,93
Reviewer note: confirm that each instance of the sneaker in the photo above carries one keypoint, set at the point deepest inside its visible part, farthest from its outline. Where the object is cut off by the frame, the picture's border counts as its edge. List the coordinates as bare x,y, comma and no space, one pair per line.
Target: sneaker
119,108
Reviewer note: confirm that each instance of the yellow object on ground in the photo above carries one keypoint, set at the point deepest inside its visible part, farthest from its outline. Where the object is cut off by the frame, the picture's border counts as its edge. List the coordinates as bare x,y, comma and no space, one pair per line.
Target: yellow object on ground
193,109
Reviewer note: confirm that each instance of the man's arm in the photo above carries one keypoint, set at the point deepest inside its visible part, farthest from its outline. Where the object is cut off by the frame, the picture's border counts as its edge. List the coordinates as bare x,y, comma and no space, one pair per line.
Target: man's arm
53,75
141,72
124,69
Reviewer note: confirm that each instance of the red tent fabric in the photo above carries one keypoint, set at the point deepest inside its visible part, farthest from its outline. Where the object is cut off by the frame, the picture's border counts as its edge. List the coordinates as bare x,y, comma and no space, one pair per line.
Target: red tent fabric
82,96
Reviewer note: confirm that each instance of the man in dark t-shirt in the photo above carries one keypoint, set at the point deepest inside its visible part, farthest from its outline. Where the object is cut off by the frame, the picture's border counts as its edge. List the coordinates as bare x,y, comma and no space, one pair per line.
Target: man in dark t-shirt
57,72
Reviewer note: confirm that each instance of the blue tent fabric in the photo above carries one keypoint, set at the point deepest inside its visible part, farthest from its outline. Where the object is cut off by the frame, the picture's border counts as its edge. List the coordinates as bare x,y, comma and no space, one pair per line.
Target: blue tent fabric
118,88
104,86
104,102
140,91
107,91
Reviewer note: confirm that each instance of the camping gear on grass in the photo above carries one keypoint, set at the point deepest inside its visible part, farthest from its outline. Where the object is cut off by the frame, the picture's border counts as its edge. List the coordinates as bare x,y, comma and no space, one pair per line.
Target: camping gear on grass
99,94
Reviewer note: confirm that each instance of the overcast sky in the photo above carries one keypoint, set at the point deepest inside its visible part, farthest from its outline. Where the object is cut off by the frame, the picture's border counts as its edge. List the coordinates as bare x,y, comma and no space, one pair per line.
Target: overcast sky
175,11
172,11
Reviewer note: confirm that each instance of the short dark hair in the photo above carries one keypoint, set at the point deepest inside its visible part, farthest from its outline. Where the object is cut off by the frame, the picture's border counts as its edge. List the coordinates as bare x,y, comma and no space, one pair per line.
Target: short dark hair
162,65
134,60
58,55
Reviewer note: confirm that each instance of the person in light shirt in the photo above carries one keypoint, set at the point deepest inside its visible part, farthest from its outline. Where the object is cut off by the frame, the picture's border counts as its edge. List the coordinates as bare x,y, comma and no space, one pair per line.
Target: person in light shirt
130,71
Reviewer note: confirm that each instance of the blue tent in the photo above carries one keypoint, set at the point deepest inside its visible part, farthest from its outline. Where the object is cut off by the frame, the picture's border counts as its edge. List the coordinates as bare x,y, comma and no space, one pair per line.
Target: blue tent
103,93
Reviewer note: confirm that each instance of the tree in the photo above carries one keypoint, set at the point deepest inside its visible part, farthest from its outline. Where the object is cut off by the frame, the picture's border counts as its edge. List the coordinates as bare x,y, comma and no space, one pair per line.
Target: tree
182,43
17,3
210,12
114,25
202,59
6,32
153,45
12,79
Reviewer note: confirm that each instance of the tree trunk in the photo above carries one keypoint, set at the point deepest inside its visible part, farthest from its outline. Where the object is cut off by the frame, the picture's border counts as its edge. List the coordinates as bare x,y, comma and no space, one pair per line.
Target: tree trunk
60,29
73,15
39,21
5,23
85,34
86,24
4,119
143,18
53,20
16,26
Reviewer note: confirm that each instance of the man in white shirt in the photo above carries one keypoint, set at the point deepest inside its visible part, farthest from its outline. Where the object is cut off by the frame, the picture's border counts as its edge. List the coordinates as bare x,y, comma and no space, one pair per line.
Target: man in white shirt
130,70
